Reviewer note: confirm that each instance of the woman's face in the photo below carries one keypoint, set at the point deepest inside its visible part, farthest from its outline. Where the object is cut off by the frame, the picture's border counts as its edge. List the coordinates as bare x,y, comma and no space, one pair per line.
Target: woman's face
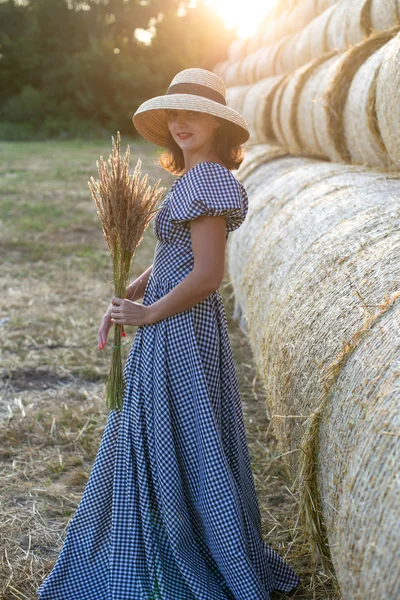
199,128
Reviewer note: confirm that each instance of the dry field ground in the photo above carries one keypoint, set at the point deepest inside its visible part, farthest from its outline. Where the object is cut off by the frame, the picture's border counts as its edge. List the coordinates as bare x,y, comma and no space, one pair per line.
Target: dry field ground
55,286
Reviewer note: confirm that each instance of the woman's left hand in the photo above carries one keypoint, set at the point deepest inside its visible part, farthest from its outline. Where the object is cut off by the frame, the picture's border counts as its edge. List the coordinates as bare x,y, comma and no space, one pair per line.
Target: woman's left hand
127,312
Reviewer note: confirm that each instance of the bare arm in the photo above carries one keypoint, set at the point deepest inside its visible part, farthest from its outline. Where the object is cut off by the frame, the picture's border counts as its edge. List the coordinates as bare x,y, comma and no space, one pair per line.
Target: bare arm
208,243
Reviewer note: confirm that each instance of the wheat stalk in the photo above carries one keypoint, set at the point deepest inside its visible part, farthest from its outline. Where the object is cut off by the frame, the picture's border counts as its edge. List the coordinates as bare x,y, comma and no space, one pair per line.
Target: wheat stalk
125,205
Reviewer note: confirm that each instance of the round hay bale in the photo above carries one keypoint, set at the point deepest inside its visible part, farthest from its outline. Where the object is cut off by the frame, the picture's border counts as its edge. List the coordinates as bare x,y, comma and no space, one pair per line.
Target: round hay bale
324,4
335,29
268,35
332,95
285,59
288,106
257,107
276,112
312,39
275,54
235,50
358,21
232,73
255,155
282,26
388,101
263,63
307,136
363,138
319,290
264,184
235,96
220,68
384,14
301,14
252,69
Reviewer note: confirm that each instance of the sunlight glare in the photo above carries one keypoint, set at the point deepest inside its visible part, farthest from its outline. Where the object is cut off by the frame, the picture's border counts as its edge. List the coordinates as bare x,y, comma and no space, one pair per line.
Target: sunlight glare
245,15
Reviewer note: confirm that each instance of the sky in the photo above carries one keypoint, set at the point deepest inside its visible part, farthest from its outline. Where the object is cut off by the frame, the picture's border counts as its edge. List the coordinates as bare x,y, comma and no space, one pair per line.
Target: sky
246,14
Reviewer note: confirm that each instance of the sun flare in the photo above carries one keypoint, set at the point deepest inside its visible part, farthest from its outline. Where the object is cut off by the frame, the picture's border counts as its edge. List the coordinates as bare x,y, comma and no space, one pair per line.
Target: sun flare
245,15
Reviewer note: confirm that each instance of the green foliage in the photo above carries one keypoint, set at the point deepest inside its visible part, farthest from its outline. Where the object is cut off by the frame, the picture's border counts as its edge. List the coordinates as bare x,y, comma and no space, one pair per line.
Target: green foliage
76,69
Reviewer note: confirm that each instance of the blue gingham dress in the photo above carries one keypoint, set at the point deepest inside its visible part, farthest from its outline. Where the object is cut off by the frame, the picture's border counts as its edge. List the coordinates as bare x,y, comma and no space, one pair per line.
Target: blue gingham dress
170,509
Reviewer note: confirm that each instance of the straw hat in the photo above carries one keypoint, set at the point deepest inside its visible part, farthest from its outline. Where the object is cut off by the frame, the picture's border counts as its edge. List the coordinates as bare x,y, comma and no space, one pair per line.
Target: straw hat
191,89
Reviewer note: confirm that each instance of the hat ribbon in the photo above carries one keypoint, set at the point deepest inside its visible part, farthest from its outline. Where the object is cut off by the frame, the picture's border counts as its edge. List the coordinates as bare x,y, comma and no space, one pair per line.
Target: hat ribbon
198,90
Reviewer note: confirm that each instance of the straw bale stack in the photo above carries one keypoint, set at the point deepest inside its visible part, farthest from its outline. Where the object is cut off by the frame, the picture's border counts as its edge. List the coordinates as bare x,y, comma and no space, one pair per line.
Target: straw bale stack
332,95
305,32
388,101
316,269
256,108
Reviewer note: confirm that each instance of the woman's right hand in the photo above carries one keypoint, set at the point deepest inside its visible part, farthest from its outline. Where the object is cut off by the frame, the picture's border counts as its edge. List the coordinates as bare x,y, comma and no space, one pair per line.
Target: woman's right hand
104,328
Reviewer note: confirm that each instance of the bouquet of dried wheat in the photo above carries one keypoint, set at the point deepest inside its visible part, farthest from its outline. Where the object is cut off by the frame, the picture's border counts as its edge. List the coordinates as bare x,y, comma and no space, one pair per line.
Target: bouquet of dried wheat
125,205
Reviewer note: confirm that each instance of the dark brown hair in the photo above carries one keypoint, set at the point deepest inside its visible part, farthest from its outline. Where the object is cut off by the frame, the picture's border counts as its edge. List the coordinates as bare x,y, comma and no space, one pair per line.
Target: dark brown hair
224,146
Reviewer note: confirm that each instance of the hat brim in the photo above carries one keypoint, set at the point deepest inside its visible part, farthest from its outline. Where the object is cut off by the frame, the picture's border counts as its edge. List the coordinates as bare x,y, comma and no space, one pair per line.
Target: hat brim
150,119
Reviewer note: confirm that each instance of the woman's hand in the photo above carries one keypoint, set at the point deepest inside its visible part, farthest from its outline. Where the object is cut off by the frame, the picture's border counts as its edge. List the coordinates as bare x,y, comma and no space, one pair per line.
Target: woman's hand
127,312
104,328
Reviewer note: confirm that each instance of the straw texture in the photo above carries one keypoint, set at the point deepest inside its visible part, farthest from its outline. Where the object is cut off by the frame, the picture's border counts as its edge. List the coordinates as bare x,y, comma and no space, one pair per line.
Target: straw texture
316,268
363,138
388,101
257,107
329,124
307,101
384,14
288,106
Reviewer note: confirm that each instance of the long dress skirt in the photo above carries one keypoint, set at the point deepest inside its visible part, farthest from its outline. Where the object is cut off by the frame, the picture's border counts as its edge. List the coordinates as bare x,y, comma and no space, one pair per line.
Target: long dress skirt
170,509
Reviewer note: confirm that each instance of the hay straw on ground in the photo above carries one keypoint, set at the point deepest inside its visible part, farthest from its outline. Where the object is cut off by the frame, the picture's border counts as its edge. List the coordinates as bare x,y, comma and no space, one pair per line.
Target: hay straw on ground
319,282
388,101
363,139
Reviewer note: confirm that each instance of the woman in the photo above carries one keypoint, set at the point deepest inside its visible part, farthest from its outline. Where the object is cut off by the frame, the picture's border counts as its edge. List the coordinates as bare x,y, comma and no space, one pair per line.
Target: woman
170,509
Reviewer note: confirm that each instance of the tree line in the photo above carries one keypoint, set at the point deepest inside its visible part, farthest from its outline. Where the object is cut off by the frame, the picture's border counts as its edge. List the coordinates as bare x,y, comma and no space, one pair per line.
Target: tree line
81,68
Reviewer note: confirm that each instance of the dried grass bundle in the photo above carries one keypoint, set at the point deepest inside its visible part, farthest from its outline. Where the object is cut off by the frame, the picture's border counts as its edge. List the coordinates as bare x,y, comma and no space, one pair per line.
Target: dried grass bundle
125,205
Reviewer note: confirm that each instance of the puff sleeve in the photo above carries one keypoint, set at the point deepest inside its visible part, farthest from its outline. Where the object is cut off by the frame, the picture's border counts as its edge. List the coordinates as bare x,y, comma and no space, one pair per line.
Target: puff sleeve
209,189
